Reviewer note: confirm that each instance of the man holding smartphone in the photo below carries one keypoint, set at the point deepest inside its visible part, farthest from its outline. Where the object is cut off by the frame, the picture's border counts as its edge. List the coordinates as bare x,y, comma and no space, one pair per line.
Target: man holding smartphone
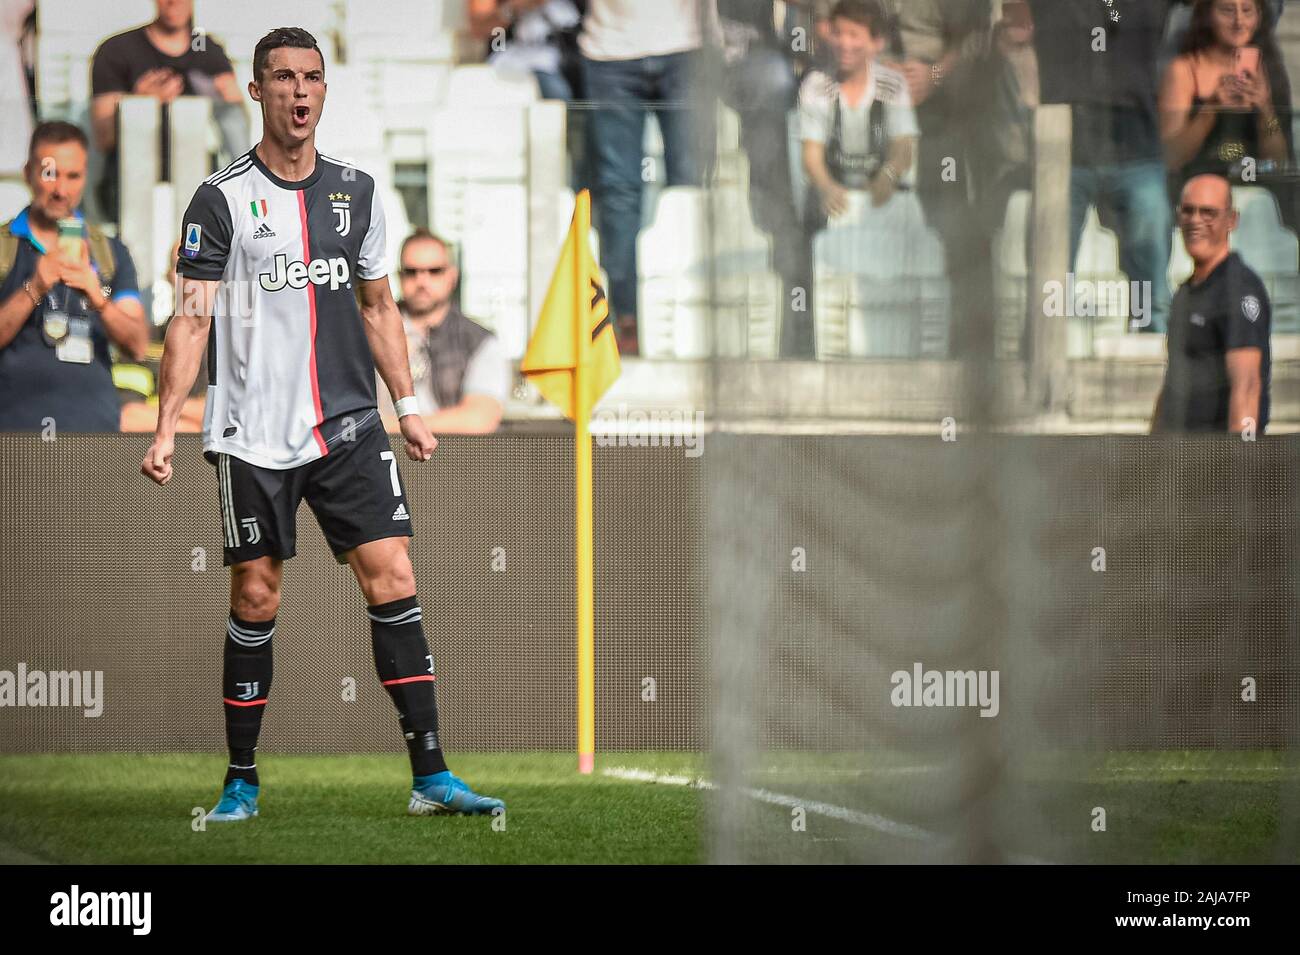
66,294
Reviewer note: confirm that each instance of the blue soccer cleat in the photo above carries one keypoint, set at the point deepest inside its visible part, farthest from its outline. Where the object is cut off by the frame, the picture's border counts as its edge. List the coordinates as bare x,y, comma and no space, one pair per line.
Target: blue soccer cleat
238,802
445,794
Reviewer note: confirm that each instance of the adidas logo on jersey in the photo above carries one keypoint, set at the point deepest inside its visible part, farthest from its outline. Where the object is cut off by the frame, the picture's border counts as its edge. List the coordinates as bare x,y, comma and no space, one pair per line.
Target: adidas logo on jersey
400,514
263,231
332,272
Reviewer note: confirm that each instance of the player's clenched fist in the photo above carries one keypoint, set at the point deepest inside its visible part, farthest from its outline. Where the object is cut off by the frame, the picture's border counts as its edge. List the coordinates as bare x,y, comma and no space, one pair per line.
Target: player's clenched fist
157,464
420,442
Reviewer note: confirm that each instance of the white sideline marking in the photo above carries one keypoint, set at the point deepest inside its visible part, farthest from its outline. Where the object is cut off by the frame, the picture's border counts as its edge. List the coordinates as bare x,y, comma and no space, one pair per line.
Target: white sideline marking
868,819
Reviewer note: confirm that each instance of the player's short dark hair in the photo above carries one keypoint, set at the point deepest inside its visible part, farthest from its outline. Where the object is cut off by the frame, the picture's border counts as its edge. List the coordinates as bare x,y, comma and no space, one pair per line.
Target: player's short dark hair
295,37
55,132
421,234
867,13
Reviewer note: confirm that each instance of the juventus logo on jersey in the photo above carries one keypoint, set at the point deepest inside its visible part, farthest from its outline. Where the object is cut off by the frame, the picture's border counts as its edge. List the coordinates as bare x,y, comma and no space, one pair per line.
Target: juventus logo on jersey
342,211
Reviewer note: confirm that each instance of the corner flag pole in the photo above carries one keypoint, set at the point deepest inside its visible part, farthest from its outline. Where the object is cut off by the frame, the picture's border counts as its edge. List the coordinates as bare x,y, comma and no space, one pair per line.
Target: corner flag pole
582,509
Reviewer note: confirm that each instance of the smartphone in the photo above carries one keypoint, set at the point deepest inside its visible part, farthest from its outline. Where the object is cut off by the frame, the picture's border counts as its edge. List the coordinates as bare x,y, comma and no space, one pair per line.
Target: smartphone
1247,61
72,237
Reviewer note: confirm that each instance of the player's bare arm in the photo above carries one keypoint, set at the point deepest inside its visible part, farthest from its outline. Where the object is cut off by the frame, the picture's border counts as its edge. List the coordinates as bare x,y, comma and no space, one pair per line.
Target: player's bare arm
1246,381
388,345
187,337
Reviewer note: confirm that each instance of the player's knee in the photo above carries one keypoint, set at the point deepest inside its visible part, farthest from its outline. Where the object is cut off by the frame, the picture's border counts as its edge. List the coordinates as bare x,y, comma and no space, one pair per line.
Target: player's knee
256,596
392,583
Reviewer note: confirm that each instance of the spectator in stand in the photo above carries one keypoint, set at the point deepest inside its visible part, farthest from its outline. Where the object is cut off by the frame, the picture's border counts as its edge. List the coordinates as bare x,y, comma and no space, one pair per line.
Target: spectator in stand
540,37
764,56
15,109
532,36
858,127
164,59
1104,67
1004,143
1219,371
935,47
1227,98
1179,21
460,372
639,55
63,300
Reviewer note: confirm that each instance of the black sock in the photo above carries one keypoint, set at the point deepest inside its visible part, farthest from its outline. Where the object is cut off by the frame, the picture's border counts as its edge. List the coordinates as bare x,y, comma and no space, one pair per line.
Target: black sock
243,765
245,683
405,668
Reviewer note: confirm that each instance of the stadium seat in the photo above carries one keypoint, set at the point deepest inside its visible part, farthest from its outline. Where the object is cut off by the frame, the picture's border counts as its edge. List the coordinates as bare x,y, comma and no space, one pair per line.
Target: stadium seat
731,164
703,255
349,126
13,198
879,283
1271,249
488,146
1097,263
484,87
407,30
239,25
1011,274
68,33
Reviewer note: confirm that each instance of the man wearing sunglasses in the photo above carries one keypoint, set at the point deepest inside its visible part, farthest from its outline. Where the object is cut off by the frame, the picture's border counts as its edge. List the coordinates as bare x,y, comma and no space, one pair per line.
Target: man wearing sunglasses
460,372
1219,324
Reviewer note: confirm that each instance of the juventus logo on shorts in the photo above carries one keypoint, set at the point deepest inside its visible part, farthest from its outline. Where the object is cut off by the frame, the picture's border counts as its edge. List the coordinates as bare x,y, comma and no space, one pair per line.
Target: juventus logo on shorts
250,525
247,690
339,201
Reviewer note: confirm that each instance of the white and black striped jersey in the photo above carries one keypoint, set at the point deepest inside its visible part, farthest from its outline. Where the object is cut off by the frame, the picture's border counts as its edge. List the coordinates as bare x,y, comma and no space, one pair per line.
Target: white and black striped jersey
290,370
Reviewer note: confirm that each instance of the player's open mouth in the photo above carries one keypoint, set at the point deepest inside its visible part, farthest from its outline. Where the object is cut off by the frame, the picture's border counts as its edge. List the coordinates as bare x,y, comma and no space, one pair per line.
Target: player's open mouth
301,114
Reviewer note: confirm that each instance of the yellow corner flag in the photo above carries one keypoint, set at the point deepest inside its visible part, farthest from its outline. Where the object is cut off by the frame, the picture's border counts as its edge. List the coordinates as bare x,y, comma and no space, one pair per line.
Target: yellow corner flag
572,358
575,328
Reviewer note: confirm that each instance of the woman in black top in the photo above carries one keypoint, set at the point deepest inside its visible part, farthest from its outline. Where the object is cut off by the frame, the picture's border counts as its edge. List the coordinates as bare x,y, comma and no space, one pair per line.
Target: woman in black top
1216,109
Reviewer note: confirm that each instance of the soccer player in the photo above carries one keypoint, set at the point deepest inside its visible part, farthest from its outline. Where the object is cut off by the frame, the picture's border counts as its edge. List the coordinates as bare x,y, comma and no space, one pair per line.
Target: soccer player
271,249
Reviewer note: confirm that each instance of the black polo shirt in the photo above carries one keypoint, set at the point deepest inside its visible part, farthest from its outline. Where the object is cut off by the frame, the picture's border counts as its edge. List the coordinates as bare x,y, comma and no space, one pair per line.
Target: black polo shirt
1230,309
34,383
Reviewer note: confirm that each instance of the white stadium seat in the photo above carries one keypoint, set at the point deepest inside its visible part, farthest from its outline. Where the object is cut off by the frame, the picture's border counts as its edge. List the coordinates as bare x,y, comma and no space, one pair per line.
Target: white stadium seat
1097,263
879,283
1011,274
491,140
13,198
705,279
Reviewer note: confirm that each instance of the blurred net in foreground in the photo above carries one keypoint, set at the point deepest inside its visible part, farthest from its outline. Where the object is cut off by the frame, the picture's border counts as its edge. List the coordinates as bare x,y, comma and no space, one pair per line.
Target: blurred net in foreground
1123,693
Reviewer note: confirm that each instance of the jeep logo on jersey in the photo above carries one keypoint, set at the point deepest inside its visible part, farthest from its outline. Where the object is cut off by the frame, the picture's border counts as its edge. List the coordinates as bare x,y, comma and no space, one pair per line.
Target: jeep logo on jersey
332,272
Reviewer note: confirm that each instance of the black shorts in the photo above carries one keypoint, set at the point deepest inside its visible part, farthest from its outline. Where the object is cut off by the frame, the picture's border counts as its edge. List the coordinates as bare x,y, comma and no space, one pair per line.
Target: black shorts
355,491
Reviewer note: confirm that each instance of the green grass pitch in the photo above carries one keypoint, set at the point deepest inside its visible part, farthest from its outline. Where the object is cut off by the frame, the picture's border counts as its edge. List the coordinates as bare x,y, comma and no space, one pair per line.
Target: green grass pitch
123,808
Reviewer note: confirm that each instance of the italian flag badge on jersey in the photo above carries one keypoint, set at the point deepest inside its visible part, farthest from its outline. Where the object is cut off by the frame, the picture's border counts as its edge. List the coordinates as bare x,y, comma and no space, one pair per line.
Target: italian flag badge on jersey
259,208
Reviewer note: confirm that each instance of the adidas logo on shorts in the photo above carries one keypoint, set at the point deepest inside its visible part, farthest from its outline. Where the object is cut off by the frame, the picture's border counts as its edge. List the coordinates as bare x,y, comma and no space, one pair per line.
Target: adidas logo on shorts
400,514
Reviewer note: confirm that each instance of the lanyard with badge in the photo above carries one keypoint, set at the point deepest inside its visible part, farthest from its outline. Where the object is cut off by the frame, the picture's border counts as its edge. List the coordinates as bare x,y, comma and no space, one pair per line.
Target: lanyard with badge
67,334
